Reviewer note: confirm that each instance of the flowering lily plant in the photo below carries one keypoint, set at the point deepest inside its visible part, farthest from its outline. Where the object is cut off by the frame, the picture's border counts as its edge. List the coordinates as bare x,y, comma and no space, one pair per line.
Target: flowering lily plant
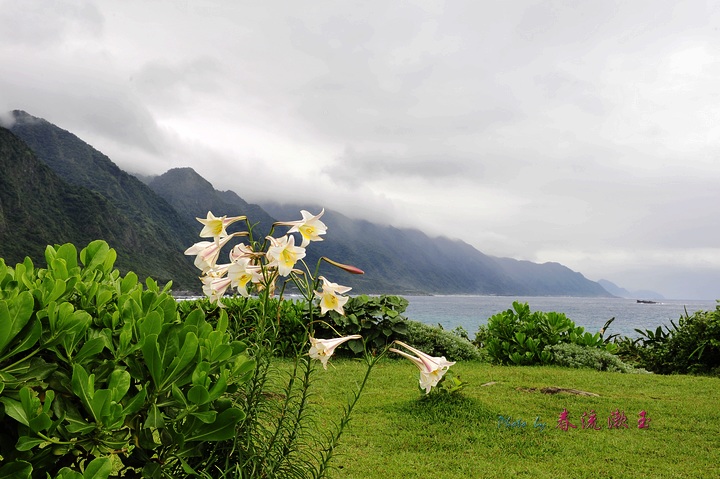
259,265
432,369
264,267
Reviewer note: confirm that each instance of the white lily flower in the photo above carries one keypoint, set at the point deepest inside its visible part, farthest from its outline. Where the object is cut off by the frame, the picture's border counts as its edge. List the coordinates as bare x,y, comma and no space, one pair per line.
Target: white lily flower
207,253
241,251
432,369
329,297
241,272
214,288
283,254
310,227
322,349
214,226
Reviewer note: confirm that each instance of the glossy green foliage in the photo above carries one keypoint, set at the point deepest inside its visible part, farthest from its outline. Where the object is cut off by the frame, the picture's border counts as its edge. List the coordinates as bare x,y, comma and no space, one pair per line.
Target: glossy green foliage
519,336
571,355
94,365
378,319
692,346
436,341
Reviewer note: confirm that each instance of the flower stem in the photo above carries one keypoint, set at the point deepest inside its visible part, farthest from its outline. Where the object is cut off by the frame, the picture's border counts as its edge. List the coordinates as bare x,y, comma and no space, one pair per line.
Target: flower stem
327,454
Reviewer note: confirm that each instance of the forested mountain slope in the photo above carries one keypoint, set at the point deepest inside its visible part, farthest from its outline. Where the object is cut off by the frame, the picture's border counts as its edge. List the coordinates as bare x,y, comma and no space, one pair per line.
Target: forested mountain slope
78,194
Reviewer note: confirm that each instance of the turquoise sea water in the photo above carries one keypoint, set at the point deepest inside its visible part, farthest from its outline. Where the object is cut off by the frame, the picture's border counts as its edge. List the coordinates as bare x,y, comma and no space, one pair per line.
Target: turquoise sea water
590,313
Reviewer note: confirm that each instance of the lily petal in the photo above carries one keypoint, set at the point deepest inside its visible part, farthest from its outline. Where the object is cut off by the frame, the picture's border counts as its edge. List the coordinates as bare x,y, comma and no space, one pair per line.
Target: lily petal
310,227
283,254
214,226
322,349
432,369
330,298
207,252
439,362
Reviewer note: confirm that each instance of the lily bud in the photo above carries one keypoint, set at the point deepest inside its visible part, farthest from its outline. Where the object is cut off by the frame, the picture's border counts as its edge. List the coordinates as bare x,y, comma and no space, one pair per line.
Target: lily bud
346,267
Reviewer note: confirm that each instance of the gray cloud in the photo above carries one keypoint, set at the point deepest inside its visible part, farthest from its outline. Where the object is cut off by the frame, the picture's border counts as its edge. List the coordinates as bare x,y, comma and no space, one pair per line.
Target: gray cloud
36,23
585,133
353,167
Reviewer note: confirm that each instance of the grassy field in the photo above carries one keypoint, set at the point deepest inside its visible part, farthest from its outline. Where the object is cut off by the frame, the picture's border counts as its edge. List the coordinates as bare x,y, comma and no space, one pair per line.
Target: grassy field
394,434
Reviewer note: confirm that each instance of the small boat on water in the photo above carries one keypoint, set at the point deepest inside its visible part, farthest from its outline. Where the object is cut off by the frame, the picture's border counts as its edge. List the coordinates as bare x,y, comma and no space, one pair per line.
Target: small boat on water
646,301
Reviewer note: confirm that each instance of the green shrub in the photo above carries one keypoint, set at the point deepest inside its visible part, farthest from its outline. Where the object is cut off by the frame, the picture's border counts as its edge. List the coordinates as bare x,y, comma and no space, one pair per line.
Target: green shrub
692,346
576,356
378,319
517,336
437,342
95,366
289,325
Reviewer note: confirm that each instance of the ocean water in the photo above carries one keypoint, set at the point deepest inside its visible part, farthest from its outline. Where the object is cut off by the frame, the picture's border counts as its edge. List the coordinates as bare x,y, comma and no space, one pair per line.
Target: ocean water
591,313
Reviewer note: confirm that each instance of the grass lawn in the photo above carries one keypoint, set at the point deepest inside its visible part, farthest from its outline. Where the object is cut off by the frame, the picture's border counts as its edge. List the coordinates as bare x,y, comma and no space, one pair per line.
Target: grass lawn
394,434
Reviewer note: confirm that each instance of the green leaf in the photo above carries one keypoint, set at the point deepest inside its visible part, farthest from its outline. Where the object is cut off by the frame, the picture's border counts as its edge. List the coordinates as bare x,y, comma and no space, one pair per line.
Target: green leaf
74,324
100,405
67,473
25,443
136,403
198,395
152,324
84,387
222,322
152,358
132,312
186,467
119,384
99,468
68,253
90,348
40,423
14,317
79,426
219,350
200,374
49,396
15,410
208,417
154,419
103,297
178,395
128,283
16,470
34,370
94,254
222,429
30,402
151,470
32,333
218,388
183,359
244,368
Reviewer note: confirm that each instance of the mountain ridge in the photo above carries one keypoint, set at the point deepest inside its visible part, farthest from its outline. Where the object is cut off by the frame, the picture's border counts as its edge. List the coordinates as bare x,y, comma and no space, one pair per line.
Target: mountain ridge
38,208
153,230
620,292
398,261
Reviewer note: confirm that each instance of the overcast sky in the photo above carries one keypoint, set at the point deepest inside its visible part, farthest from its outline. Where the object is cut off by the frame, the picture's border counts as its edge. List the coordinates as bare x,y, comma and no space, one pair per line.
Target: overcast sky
586,133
